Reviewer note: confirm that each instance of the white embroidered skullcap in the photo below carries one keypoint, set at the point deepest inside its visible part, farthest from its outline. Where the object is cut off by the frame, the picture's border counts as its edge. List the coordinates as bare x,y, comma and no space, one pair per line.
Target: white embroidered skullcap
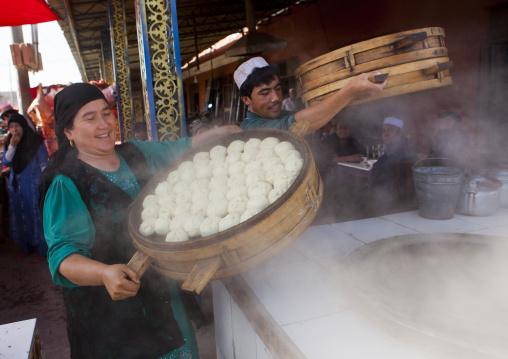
245,69
393,121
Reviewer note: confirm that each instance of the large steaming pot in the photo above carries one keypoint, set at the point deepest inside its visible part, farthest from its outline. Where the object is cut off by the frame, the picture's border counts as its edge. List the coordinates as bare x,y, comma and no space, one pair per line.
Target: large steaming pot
415,60
479,196
239,248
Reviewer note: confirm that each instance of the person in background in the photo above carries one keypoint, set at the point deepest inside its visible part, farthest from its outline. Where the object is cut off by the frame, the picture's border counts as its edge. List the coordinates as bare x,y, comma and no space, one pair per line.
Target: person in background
261,91
27,156
389,176
86,191
140,131
449,140
6,111
292,103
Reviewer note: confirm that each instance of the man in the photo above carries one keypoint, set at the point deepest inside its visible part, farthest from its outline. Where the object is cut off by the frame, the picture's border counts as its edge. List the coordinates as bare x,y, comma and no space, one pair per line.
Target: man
261,91
291,103
6,111
390,180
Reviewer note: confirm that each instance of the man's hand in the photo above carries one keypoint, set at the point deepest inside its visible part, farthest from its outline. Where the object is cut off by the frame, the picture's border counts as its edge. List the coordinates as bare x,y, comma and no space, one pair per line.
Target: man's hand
120,280
360,86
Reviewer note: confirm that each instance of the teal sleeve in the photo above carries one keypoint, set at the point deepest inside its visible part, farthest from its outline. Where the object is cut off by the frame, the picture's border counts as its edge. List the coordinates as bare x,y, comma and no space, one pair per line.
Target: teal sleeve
161,153
68,227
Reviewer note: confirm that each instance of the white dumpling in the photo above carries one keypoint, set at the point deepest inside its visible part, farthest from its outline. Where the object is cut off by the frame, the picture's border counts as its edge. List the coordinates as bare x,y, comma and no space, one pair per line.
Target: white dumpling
249,213
220,169
203,170
283,182
209,226
201,157
236,146
182,209
200,195
231,220
237,179
271,162
259,189
217,208
238,205
258,203
282,147
177,223
236,167
188,175
274,195
239,191
192,225
199,184
249,156
161,226
217,182
183,197
254,177
265,154
185,166
162,188
218,194
150,212
294,165
165,198
253,166
147,228
233,157
252,143
173,177
199,208
150,201
268,143
218,152
288,154
178,235
167,212
275,172
181,186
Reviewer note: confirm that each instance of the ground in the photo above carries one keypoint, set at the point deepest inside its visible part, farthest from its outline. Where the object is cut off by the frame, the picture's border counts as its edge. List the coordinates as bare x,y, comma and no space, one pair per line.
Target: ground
27,292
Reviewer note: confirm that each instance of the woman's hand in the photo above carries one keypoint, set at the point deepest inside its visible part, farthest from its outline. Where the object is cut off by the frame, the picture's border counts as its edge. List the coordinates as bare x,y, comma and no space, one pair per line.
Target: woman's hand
15,139
120,280
213,135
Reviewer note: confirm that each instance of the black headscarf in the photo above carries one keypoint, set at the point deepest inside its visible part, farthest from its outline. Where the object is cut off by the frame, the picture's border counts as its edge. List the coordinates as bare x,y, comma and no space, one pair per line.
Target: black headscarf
67,104
28,145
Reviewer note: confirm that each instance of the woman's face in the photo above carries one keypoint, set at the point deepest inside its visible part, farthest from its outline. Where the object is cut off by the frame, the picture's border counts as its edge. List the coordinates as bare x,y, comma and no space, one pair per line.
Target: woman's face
15,129
93,129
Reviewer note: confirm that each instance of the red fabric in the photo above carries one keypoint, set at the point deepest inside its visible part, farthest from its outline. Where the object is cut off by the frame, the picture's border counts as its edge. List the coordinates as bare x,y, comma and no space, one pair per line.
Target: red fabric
25,12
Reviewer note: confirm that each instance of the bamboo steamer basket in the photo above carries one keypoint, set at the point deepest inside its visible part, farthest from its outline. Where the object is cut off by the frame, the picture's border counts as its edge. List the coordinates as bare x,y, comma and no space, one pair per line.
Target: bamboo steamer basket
415,60
230,252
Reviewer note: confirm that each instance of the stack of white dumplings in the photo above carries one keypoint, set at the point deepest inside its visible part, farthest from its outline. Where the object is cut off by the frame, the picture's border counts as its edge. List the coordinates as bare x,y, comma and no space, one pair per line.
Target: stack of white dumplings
220,189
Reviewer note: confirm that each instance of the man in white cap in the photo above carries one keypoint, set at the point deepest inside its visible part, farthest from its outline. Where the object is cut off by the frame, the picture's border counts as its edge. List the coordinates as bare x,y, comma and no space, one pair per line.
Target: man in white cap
261,91
389,179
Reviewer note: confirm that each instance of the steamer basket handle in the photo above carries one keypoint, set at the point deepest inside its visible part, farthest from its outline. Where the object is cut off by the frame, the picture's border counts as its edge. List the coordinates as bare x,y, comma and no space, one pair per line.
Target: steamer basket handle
299,128
201,274
140,263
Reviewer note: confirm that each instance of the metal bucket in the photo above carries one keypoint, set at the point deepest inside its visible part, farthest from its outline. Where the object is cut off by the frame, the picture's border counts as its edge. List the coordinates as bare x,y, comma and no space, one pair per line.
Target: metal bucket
437,183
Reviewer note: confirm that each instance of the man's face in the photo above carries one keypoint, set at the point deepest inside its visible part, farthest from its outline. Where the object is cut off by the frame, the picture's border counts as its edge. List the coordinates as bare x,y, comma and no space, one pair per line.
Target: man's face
390,133
266,100
292,94
342,131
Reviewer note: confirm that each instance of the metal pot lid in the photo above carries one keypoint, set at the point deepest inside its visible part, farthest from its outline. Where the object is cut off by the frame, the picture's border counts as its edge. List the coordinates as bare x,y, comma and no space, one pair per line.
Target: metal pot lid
444,293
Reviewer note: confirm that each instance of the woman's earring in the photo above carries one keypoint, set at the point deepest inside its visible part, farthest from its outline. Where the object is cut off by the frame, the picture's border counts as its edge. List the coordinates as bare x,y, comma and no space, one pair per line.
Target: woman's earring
71,142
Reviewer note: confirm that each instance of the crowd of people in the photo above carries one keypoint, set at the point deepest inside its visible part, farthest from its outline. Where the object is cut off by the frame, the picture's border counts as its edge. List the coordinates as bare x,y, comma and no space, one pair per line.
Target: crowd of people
73,207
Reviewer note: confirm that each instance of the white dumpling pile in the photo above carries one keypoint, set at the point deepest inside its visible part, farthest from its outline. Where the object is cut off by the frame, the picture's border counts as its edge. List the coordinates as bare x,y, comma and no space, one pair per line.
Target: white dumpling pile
220,189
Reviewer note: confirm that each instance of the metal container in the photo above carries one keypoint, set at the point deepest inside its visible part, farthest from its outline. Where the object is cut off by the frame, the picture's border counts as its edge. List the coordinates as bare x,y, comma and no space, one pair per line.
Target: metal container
501,175
479,196
437,183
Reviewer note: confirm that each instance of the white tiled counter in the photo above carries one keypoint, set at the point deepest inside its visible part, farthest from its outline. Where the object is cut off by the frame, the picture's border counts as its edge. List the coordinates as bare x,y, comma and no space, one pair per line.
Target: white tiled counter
293,306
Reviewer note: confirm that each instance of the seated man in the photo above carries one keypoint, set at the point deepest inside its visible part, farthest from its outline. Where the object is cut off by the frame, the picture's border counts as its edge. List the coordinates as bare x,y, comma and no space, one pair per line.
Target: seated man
261,91
292,103
390,180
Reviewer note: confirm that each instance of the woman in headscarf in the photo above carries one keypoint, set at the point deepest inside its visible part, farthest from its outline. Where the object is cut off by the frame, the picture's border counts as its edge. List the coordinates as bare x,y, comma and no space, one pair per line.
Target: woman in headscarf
86,191
26,154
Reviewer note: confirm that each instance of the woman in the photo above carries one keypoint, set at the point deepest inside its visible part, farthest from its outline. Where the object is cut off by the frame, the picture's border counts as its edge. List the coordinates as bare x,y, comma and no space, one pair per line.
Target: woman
86,191
26,154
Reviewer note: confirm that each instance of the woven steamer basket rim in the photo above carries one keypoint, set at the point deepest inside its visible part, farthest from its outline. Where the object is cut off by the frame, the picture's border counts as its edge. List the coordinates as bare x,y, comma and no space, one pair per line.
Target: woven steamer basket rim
157,242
